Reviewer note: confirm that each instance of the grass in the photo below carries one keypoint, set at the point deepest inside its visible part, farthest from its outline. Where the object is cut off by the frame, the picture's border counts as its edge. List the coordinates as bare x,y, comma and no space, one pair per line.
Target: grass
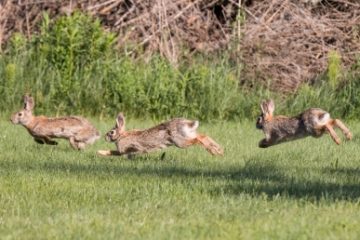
308,189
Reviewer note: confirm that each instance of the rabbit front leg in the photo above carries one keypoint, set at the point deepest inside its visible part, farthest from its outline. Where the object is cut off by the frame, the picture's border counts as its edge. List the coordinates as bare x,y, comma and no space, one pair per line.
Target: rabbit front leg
74,143
81,145
267,141
264,143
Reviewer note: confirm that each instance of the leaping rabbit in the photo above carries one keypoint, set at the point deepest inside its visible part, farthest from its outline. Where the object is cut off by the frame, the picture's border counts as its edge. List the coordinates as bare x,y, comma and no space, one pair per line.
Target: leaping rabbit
312,122
177,132
77,130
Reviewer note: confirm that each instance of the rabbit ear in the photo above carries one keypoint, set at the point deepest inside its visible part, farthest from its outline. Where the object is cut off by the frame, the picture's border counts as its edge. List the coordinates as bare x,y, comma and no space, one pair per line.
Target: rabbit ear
267,107
28,103
120,121
263,107
270,106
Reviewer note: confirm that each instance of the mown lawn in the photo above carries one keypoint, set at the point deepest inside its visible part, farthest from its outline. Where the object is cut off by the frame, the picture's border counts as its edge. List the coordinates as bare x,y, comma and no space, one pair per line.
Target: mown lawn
308,189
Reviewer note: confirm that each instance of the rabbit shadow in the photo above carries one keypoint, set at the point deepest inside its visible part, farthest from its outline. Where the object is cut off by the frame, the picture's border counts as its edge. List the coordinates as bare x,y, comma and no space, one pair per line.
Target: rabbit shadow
258,177
277,183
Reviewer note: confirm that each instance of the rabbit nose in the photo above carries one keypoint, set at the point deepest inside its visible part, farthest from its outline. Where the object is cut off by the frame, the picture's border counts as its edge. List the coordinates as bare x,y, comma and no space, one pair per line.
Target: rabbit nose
12,119
258,125
107,137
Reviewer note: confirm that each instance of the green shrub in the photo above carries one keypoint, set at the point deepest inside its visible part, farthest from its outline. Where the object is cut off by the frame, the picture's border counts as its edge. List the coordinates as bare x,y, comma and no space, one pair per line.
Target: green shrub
70,46
72,67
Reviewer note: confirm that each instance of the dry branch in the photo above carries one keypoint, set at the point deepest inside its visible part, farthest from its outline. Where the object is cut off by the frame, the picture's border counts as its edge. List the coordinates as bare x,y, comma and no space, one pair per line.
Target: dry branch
284,40
293,46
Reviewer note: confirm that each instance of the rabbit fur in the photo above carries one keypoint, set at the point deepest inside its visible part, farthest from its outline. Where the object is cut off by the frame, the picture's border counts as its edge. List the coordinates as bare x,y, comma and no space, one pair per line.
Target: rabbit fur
312,122
177,132
77,130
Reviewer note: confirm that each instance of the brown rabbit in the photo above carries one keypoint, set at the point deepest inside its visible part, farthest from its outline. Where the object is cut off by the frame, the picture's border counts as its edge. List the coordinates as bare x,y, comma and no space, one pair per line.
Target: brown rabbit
177,132
78,130
312,122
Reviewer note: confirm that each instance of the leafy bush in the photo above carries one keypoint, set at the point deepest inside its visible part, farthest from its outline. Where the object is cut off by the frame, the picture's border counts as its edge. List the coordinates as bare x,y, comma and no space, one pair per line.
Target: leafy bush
72,67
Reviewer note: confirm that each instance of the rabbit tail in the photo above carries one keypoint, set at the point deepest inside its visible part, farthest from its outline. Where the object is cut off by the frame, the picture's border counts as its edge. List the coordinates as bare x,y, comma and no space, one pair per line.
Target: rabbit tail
323,119
189,130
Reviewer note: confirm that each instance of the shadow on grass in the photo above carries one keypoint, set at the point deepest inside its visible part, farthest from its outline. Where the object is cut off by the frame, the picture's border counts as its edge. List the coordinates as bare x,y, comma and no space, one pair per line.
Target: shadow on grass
255,178
310,190
328,183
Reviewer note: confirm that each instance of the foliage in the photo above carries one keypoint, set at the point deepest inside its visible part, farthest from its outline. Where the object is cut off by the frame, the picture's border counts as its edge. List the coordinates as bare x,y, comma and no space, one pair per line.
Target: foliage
72,67
334,69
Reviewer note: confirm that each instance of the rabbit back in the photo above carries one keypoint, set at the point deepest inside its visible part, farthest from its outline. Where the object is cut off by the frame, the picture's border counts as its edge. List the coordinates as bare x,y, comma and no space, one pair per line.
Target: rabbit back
308,123
64,127
283,128
177,131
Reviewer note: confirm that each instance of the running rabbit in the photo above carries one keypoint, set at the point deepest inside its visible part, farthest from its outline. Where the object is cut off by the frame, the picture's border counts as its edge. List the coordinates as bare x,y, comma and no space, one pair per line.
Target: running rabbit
312,122
77,130
177,132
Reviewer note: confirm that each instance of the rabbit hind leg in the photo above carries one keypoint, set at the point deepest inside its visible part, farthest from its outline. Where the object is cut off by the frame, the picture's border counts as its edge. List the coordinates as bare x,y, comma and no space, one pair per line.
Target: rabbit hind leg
343,128
332,133
209,144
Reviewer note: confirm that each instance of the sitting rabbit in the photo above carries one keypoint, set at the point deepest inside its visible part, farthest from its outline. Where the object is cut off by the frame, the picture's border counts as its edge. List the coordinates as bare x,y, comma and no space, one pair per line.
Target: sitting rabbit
312,122
78,130
177,132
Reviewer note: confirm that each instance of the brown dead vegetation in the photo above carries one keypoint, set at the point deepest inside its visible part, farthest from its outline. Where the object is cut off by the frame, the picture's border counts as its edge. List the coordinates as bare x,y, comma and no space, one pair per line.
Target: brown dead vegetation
287,41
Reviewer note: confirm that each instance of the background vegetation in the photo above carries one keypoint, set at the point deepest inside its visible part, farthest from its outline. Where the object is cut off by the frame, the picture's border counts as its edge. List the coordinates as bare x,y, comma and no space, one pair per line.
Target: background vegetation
72,66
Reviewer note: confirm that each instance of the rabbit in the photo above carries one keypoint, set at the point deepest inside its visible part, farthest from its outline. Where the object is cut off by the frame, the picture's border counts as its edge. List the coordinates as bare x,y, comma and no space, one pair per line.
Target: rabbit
312,122
77,130
177,132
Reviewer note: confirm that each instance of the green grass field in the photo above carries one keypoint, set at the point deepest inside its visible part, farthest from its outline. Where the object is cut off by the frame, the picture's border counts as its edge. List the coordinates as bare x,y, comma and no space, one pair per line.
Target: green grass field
307,189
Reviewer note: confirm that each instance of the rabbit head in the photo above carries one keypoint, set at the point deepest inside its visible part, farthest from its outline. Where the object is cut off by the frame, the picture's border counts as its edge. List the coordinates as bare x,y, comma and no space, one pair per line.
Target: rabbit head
267,110
24,116
116,131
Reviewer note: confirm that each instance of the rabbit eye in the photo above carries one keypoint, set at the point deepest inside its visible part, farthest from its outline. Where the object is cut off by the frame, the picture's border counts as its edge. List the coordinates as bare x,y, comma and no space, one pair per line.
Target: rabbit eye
112,132
19,114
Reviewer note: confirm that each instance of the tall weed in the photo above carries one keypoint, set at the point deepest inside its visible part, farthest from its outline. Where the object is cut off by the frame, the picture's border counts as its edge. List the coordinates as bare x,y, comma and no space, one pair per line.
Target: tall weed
72,67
